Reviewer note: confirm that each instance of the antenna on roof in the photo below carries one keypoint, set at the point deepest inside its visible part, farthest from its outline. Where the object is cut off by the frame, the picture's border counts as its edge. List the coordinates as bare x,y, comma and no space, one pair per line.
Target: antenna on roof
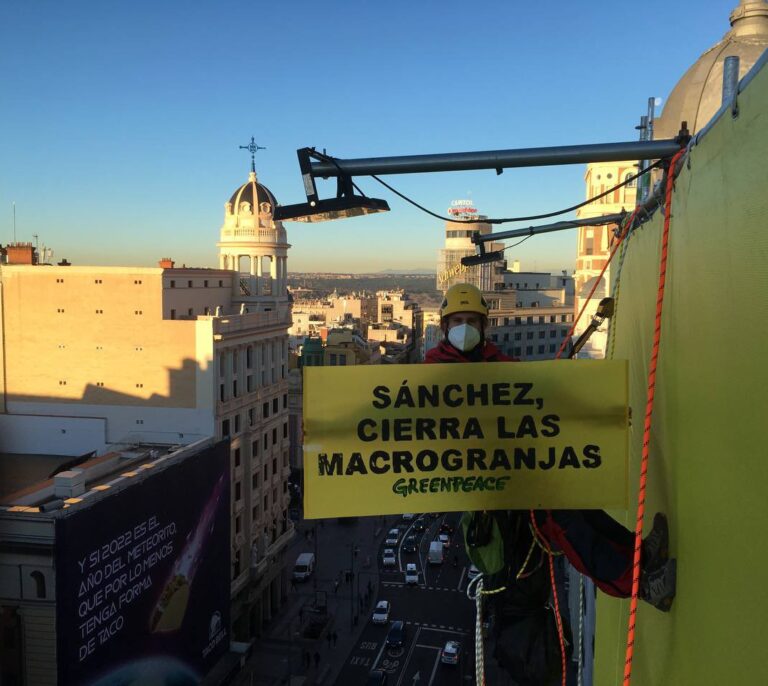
252,148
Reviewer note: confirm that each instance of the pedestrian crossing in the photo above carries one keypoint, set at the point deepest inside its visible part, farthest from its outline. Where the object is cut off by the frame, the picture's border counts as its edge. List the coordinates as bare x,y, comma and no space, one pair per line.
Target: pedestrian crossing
440,627
399,584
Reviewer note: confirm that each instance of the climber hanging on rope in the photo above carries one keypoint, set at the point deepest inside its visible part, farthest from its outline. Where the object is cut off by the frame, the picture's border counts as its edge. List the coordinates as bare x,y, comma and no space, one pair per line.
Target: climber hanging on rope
509,546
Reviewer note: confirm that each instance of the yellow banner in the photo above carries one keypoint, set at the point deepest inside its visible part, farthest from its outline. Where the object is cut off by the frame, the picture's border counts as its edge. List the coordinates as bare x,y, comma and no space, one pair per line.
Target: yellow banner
449,437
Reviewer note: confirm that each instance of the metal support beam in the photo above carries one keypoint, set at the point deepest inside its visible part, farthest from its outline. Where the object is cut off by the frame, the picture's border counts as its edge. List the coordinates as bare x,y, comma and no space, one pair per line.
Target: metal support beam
498,159
548,228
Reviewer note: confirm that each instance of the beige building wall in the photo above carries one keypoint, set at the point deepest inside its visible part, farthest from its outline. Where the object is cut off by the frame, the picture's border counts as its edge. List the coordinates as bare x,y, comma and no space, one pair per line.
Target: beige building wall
594,242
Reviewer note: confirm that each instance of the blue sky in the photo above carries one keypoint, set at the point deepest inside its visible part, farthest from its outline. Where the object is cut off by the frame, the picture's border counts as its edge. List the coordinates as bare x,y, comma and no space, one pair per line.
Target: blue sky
120,122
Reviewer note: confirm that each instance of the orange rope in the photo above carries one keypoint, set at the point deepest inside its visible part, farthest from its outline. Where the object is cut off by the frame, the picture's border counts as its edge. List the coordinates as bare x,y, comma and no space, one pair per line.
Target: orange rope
647,425
544,544
623,234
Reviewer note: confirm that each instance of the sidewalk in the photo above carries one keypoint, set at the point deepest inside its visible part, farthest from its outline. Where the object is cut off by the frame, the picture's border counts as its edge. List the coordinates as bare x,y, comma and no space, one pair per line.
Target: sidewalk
280,657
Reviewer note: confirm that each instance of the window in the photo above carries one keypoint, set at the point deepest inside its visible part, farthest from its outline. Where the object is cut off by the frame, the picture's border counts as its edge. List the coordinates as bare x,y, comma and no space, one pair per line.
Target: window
285,401
238,523
552,333
237,423
234,389
190,312
563,317
517,351
139,385
135,283
529,320
62,383
255,513
225,428
238,491
221,283
529,350
285,429
266,476
205,283
541,319
552,348
100,384
173,314
189,284
249,357
234,361
138,312
333,359
265,410
39,580
518,335
173,284
60,310
542,334
251,417
541,349
254,449
274,436
99,281
237,457
529,335
274,465
266,438
518,321
222,392
274,405
99,311
506,337
255,481
250,384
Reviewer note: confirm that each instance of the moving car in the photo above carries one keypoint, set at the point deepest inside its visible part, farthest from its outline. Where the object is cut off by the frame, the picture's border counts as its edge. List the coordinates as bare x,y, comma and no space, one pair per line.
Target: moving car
446,527
411,574
450,653
445,539
409,545
436,552
305,565
408,517
389,557
419,525
392,537
381,613
396,635
376,678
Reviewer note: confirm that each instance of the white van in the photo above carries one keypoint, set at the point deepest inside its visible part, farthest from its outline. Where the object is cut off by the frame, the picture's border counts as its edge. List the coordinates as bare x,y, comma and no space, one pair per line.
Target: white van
305,565
435,553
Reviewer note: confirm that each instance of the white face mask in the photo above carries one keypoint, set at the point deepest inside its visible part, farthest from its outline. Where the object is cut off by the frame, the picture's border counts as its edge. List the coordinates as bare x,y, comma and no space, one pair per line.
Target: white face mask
464,337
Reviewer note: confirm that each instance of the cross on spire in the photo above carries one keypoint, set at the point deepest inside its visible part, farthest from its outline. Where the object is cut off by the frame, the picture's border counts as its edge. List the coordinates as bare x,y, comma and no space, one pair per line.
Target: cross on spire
252,148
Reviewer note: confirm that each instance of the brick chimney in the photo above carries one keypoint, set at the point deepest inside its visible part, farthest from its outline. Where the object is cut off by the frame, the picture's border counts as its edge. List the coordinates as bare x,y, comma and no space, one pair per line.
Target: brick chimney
21,253
166,263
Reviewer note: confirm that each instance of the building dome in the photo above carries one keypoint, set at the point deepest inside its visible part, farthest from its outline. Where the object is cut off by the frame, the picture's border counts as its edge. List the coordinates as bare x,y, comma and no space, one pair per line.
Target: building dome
255,194
698,95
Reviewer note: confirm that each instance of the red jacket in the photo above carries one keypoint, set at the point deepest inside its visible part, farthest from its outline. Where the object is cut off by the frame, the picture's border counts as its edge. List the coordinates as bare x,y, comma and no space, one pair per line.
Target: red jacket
445,352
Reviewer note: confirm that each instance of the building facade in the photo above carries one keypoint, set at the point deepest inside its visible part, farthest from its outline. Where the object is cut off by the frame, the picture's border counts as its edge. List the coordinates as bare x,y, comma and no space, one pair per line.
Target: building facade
530,316
458,244
168,355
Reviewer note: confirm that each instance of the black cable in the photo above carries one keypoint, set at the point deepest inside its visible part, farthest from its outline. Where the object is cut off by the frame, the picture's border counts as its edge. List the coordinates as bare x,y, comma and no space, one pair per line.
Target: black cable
507,220
514,245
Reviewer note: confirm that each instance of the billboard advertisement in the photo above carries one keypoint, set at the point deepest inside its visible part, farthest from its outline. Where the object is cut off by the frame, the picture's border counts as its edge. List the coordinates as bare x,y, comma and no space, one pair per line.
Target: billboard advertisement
143,578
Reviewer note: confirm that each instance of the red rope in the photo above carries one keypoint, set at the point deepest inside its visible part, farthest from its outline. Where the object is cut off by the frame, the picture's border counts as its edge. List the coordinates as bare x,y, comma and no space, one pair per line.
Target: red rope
647,425
561,638
623,234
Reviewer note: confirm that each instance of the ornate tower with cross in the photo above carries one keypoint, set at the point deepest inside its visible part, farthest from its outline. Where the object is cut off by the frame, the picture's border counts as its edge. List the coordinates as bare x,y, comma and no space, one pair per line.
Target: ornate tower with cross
252,243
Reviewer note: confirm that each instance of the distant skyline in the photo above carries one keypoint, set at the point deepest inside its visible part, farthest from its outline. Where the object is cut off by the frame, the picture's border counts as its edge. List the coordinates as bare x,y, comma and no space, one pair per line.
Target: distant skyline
121,123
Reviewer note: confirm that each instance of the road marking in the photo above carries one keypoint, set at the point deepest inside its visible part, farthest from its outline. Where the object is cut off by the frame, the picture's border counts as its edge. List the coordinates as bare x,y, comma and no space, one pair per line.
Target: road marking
408,657
461,578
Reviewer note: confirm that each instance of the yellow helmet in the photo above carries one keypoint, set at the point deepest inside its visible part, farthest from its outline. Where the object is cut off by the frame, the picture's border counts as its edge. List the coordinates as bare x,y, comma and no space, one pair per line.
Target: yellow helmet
463,297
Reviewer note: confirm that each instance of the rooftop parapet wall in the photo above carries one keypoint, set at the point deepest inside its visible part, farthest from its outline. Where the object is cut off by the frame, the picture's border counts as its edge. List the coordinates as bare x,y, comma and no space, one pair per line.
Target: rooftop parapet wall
707,466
